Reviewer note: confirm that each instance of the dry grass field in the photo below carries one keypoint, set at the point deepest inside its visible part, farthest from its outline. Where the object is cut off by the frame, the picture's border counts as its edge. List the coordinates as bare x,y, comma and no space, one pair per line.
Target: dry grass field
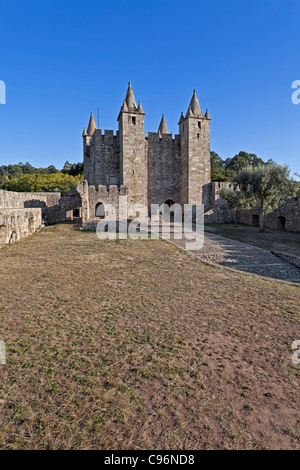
136,345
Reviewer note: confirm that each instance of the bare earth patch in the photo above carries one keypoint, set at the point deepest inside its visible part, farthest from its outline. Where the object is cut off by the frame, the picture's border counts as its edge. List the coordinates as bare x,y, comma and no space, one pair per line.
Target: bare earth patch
137,345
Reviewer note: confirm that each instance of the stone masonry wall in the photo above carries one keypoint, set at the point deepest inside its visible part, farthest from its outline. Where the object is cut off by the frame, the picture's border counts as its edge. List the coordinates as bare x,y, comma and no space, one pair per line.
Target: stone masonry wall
102,161
133,156
64,209
195,160
286,216
219,212
11,199
93,196
163,168
18,223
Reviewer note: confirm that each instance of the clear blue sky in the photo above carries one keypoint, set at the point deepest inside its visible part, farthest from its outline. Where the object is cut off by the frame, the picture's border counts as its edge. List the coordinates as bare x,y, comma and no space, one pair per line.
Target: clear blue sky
60,60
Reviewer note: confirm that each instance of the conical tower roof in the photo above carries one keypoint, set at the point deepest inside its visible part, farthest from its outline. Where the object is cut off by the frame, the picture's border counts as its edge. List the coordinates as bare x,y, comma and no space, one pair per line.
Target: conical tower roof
124,106
195,107
130,99
140,109
92,125
181,118
84,134
189,112
163,128
207,115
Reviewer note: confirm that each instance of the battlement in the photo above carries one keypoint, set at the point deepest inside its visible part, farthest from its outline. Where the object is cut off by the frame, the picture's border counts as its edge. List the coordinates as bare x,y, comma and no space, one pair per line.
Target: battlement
107,192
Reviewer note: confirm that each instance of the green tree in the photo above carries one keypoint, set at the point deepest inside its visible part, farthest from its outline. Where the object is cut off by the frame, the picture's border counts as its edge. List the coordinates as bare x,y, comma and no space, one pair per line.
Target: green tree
234,200
217,167
265,185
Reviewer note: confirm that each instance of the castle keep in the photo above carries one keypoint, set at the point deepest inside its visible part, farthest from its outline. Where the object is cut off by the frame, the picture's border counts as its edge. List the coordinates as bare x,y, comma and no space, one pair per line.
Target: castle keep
155,169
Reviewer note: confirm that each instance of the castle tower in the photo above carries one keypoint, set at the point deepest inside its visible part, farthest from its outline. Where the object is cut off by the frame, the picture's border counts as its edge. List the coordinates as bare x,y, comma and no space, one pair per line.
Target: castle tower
194,131
87,136
133,161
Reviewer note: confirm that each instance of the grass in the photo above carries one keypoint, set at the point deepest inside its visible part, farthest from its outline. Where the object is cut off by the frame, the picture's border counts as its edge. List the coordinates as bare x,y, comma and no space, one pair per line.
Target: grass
271,240
136,345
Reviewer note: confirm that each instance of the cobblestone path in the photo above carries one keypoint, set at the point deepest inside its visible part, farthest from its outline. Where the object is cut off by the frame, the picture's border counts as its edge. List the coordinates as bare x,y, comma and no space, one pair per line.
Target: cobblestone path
246,258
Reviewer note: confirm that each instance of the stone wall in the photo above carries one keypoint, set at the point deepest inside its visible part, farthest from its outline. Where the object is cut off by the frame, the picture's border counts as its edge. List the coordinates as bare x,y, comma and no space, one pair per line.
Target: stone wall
163,168
65,208
95,201
24,213
219,212
102,158
18,223
11,199
286,216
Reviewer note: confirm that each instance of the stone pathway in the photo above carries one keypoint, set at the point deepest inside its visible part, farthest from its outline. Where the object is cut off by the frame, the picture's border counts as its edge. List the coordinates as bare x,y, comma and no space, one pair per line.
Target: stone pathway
246,258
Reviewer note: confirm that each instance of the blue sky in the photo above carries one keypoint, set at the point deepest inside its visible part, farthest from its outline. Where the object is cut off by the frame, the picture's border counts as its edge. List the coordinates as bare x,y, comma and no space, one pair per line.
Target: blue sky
60,60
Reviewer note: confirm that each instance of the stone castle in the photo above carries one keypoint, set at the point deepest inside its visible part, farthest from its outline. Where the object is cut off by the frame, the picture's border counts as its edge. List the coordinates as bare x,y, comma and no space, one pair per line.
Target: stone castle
155,169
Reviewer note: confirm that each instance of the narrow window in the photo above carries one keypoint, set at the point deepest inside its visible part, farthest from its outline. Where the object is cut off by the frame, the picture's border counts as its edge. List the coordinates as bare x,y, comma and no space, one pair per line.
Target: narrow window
198,135
199,124
133,120
113,180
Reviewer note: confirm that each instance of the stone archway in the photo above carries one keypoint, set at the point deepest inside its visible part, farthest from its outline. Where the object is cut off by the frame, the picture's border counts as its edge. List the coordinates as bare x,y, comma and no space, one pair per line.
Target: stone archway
100,210
167,205
255,220
281,223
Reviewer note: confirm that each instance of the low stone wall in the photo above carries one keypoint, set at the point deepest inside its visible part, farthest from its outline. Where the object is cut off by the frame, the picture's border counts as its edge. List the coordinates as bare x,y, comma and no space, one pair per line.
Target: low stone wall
18,223
16,200
21,213
286,216
219,212
64,210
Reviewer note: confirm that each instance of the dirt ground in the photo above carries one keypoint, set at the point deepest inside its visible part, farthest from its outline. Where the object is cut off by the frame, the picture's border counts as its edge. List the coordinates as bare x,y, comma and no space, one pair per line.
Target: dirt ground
271,240
137,345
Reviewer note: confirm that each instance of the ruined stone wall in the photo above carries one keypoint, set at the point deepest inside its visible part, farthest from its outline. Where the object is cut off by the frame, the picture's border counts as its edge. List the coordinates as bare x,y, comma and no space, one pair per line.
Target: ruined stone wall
21,213
163,168
18,223
102,158
286,216
219,212
11,199
64,209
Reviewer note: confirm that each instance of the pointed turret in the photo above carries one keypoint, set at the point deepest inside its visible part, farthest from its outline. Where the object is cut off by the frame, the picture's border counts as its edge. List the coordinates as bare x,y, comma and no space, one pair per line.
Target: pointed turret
124,107
181,118
140,109
163,128
92,126
130,99
84,134
189,112
207,115
195,107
